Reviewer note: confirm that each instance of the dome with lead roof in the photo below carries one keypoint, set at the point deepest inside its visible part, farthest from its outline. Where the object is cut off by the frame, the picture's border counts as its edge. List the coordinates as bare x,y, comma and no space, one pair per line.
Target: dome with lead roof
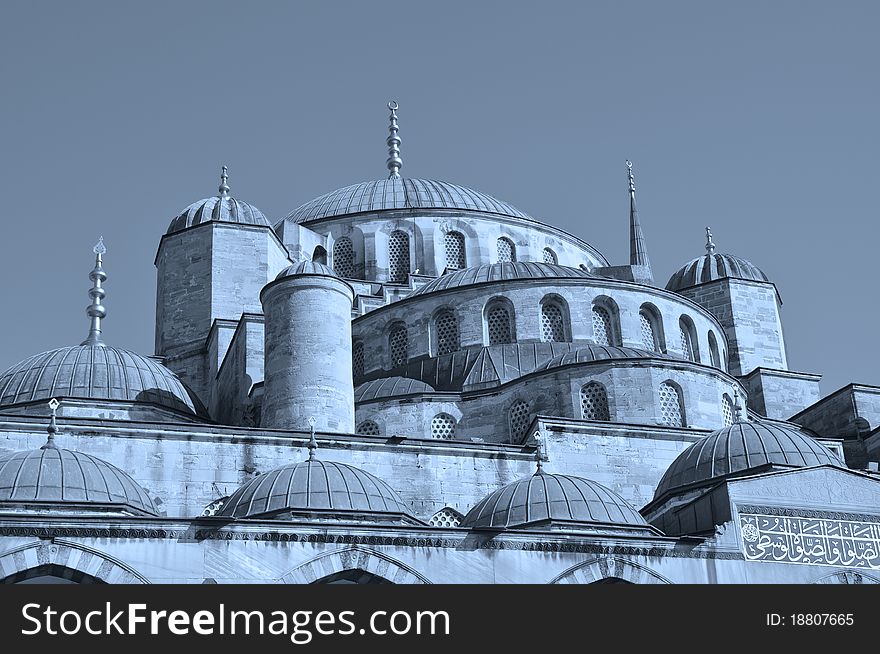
712,266
221,208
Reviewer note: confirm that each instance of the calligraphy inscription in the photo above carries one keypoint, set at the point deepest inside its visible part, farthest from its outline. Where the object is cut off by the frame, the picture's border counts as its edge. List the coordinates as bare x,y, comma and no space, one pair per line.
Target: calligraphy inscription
811,541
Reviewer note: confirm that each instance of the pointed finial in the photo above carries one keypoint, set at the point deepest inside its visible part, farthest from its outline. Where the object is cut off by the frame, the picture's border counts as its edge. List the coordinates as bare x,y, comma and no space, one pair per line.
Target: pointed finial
737,409
224,186
710,244
394,161
632,181
52,429
95,310
540,456
312,445
638,248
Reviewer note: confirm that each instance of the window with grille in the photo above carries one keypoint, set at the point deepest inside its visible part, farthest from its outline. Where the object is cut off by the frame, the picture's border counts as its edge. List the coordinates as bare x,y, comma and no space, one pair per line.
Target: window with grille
506,250
398,257
447,333
443,426
499,325
454,242
594,402
687,344
602,333
671,411
727,410
398,343
552,323
549,256
343,257
518,419
357,359
649,341
446,517
713,350
368,428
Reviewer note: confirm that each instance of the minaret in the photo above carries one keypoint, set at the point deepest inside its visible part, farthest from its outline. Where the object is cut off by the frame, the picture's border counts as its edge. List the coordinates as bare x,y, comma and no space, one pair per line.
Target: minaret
638,249
394,161
96,310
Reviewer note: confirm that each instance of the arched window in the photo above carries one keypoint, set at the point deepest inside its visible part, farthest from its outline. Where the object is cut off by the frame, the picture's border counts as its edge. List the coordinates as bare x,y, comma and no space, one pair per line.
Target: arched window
549,256
553,321
446,327
518,419
446,517
594,402
398,345
454,242
650,325
714,357
367,428
671,405
443,426
727,410
499,323
506,250
357,359
398,257
688,339
603,332
343,257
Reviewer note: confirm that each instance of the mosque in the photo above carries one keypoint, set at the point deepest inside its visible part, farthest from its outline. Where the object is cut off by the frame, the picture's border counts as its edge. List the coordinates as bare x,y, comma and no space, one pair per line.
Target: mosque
410,381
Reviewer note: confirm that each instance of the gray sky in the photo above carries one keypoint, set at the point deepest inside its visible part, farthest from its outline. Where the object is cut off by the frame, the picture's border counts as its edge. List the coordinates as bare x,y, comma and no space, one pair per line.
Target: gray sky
757,118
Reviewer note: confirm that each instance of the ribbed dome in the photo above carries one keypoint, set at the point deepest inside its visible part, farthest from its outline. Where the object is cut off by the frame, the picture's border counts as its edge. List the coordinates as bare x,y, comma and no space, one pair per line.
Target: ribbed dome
714,266
740,447
224,209
57,476
390,387
556,497
307,268
600,353
95,372
498,272
401,193
313,485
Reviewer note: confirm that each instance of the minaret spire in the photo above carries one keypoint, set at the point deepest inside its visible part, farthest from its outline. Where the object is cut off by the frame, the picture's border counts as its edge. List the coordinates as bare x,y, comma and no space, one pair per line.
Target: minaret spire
224,183
394,161
96,310
638,249
710,244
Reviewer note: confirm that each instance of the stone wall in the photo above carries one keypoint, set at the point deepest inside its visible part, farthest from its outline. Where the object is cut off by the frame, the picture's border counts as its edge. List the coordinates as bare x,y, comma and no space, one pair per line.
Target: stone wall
780,393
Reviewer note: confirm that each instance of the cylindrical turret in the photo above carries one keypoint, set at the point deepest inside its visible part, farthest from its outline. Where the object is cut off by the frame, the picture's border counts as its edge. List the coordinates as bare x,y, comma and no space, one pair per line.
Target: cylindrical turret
308,370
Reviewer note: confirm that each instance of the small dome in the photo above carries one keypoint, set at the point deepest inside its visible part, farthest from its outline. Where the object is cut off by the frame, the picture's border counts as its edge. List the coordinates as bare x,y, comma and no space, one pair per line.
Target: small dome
601,353
313,485
552,497
741,447
713,266
56,476
307,268
400,193
390,387
224,209
95,372
499,272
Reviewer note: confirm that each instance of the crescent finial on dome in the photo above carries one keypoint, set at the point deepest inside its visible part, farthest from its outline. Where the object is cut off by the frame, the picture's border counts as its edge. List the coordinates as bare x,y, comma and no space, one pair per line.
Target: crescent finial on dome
312,445
52,428
224,183
394,161
96,310
710,244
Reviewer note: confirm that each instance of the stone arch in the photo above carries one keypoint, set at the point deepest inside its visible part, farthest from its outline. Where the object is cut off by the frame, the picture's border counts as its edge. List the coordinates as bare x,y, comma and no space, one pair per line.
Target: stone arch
609,567
72,556
847,577
353,558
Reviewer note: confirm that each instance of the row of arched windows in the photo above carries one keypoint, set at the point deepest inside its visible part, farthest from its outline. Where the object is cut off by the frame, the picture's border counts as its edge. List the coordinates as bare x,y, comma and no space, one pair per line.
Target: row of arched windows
442,427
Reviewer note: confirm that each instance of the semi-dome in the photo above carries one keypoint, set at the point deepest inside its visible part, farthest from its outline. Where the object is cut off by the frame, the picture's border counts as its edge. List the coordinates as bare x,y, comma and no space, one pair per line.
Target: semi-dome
311,486
307,268
499,272
400,193
220,208
59,478
390,387
741,447
552,497
589,353
95,372
712,266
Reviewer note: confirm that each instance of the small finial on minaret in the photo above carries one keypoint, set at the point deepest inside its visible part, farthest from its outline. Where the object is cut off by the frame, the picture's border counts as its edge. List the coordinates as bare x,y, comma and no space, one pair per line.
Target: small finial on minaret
312,445
710,244
52,429
96,310
224,182
632,181
737,409
394,161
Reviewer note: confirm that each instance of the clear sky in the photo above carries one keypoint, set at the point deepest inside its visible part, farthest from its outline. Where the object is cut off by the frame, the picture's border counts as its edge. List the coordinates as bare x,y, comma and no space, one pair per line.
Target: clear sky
757,118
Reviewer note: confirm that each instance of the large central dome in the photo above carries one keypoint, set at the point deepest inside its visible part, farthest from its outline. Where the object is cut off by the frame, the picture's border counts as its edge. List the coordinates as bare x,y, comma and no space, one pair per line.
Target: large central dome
401,193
